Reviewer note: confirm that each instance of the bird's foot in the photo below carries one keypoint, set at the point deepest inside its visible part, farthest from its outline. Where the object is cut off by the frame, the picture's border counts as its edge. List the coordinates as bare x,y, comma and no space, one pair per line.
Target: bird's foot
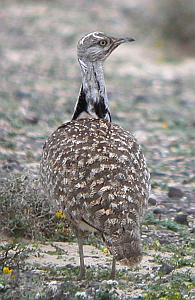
81,276
112,275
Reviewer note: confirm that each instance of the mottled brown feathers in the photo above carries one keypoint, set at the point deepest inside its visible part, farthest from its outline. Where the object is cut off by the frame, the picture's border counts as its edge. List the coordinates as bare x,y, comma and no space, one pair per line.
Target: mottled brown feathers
93,169
96,172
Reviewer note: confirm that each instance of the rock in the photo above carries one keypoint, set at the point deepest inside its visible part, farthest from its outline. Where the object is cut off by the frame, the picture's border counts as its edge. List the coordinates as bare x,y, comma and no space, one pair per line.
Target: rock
164,242
165,269
152,201
31,120
11,165
20,95
190,211
181,219
158,211
141,99
175,193
7,167
70,266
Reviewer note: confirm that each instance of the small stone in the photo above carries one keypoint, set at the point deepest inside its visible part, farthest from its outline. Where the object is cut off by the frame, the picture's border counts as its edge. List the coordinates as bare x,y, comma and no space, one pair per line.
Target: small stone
164,242
158,211
31,120
141,99
20,95
152,201
181,219
190,211
166,269
70,266
175,193
7,167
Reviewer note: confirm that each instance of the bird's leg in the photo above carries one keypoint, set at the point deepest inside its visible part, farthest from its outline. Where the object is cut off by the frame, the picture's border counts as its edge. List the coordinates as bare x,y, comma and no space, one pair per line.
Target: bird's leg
113,271
80,244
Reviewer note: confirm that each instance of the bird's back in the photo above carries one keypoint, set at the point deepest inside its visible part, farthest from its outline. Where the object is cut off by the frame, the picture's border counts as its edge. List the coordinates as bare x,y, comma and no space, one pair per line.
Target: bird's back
97,173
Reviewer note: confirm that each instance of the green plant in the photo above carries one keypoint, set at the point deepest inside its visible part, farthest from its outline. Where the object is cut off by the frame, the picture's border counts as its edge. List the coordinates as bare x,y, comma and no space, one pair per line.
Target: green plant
26,211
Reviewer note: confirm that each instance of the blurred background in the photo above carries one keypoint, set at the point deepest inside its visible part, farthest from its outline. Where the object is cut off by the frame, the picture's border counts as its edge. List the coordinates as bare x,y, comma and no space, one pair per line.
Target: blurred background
150,82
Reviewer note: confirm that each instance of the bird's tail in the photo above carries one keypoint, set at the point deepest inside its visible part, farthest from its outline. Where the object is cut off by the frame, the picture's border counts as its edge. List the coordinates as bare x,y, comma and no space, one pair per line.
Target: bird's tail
125,246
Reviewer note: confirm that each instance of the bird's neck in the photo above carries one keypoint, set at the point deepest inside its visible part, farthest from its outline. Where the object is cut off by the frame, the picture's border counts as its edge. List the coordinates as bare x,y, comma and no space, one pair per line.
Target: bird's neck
92,101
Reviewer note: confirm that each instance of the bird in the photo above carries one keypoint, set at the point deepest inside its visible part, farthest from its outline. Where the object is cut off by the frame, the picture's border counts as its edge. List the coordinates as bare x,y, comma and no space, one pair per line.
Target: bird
95,170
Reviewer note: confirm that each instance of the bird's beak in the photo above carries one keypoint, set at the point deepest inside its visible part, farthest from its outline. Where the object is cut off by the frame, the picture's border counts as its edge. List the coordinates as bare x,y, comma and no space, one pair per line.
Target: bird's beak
119,41
115,43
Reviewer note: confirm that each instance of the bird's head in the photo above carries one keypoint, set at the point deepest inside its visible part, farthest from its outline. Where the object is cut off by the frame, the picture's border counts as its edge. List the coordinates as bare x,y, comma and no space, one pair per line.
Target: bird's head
98,46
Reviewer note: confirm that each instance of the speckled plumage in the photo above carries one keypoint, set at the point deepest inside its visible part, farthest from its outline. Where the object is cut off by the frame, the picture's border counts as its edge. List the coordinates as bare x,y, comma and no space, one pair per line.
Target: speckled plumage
97,174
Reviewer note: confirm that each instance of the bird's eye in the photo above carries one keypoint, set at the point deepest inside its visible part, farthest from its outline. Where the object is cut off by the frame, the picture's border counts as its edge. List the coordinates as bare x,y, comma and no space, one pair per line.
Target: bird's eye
103,43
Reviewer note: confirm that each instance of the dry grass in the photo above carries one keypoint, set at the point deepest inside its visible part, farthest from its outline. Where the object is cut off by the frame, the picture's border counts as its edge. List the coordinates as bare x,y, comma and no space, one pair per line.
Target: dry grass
25,211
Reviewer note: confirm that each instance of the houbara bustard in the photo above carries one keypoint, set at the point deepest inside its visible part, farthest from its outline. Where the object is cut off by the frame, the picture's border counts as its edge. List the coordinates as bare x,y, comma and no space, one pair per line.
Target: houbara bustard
93,168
